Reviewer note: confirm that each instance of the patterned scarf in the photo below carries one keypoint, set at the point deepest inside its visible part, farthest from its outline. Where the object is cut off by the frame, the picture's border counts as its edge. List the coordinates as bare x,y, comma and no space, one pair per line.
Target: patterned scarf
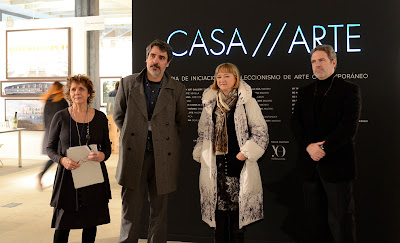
224,105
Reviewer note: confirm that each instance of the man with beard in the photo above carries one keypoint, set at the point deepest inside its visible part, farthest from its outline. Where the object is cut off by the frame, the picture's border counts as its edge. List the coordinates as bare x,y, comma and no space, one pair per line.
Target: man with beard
325,123
150,111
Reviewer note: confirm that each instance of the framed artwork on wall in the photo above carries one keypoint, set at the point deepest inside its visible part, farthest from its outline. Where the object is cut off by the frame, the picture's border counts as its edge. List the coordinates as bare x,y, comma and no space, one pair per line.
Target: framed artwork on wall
23,88
38,53
106,86
29,113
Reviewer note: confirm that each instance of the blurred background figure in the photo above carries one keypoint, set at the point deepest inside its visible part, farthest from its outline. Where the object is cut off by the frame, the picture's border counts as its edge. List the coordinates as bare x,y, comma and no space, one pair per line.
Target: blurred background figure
113,93
111,99
54,101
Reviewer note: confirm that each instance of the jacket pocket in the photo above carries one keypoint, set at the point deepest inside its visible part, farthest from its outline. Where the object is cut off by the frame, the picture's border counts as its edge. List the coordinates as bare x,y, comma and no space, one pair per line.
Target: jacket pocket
250,179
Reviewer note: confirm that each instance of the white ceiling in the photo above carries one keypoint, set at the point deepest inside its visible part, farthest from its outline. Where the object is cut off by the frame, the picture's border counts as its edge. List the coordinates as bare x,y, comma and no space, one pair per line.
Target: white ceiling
117,11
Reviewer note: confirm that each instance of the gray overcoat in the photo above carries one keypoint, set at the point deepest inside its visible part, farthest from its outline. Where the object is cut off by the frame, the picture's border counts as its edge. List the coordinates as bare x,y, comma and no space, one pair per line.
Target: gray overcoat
130,116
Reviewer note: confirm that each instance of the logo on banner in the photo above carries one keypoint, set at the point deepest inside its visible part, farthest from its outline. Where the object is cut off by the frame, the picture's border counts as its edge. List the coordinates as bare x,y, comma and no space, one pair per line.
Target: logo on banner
319,34
279,150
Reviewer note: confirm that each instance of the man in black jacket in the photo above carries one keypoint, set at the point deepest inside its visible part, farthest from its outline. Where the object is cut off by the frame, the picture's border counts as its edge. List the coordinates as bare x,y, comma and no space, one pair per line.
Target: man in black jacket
325,123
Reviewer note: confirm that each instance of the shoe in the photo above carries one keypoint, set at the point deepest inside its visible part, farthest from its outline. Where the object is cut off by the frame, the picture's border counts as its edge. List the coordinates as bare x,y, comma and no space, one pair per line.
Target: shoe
39,184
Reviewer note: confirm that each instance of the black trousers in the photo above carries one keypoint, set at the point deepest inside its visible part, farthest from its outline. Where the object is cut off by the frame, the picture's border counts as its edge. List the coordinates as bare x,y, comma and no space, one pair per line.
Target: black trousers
227,227
46,167
329,211
88,235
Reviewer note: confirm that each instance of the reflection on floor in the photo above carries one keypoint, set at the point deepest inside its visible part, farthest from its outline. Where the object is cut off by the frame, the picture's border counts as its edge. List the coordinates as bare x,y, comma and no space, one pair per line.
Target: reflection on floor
25,213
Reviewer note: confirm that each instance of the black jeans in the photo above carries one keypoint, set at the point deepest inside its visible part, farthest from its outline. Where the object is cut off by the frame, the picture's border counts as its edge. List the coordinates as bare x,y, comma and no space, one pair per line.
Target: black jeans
88,235
329,210
227,227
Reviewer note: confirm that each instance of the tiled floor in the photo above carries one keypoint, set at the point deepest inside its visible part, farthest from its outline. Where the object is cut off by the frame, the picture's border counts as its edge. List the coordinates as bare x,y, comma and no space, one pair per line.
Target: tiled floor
25,213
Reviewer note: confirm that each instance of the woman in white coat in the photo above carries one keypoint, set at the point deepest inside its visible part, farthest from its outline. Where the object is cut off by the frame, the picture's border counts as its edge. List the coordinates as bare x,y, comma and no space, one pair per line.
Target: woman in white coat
233,135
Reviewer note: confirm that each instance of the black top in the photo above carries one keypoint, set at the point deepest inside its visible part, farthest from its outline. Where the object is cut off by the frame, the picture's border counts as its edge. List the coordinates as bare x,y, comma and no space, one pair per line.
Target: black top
233,165
64,195
321,90
51,108
113,93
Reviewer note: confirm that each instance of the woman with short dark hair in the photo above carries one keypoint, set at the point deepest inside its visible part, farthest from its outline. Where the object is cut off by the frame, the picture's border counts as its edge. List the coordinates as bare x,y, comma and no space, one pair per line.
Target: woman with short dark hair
85,207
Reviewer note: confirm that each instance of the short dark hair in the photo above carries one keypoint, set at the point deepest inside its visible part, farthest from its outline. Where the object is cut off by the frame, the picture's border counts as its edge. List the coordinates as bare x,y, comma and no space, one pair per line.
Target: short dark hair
85,81
164,46
328,49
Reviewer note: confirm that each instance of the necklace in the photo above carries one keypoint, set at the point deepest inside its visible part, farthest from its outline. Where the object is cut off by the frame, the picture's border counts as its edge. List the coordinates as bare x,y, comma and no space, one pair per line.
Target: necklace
316,87
83,125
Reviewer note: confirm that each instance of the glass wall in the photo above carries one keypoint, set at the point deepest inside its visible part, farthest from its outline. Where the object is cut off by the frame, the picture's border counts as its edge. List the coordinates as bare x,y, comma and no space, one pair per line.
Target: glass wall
115,39
115,56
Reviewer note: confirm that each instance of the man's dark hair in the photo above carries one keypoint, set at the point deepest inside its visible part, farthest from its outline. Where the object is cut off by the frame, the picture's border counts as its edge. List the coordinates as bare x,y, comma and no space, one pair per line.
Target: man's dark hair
164,46
327,49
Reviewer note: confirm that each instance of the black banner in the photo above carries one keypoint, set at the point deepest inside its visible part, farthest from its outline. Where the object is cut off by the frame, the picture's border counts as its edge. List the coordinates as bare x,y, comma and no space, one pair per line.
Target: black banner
270,42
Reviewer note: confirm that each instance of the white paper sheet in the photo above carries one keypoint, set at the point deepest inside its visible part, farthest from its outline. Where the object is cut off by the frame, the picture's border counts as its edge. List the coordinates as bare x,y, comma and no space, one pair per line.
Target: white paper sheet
89,173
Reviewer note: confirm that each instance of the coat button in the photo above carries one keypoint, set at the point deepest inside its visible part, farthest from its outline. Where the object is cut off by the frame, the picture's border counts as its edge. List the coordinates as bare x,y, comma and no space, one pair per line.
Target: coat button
167,123
169,153
132,134
129,149
167,138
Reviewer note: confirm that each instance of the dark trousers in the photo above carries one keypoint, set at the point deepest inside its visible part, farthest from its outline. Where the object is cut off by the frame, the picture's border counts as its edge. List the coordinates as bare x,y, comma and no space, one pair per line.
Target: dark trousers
132,202
227,227
88,235
329,211
46,167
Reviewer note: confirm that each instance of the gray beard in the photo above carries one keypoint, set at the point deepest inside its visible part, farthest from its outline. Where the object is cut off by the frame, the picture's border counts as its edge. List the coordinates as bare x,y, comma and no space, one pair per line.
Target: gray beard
155,73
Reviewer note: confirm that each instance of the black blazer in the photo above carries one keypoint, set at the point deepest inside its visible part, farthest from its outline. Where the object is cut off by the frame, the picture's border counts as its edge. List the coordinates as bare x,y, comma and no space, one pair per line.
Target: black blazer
336,122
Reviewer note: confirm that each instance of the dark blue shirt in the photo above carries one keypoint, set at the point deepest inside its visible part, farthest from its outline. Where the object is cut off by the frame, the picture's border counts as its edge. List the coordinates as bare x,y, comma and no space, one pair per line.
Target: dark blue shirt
152,90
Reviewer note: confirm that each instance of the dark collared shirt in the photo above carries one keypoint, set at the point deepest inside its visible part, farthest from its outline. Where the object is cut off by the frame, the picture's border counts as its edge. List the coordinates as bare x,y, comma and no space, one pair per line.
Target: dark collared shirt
152,90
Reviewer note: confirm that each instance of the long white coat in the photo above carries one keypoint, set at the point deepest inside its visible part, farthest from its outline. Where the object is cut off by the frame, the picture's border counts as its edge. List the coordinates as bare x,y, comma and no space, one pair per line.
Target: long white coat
253,147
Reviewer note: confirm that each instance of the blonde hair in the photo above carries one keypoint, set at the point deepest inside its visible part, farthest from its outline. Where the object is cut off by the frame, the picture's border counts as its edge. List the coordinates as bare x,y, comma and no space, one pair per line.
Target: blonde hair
55,89
228,68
